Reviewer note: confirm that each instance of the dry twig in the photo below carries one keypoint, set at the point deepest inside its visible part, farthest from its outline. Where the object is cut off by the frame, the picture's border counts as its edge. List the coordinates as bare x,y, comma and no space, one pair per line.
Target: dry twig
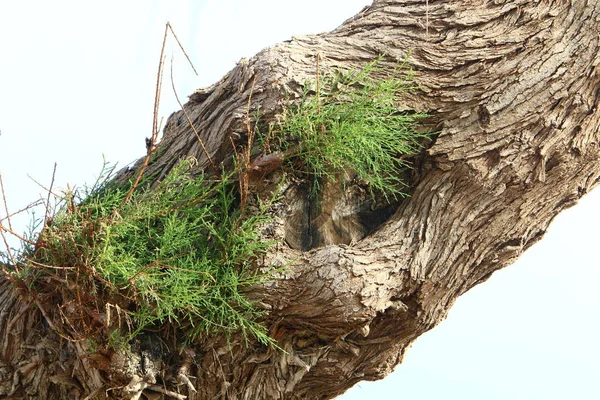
182,374
4,201
155,126
189,120
26,208
250,132
154,136
181,47
166,392
8,230
47,215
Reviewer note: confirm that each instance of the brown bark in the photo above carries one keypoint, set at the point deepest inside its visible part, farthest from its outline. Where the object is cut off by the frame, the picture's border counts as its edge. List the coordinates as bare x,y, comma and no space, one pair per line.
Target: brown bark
513,88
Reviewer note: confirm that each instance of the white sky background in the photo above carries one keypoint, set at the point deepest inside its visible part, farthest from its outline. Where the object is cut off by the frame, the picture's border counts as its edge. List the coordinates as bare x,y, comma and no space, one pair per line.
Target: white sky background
77,81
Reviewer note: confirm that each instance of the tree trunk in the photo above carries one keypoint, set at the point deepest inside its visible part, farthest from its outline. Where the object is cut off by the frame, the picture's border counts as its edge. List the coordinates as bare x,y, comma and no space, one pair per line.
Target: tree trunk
512,87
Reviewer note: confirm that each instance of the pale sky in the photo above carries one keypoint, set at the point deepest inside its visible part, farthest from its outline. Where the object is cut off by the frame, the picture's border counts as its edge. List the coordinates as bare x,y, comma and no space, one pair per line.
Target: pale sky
77,82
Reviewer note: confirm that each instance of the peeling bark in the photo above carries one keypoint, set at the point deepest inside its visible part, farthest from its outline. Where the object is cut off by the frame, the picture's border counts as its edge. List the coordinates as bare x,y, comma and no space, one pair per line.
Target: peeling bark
513,88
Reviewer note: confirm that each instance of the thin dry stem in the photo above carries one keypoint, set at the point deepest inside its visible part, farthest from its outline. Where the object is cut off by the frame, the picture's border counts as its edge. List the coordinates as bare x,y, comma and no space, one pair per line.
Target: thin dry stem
26,208
48,211
155,126
318,82
166,392
2,229
39,264
52,325
158,89
189,120
243,179
40,185
69,196
154,136
46,316
181,47
182,374
318,88
8,230
4,201
249,129
8,250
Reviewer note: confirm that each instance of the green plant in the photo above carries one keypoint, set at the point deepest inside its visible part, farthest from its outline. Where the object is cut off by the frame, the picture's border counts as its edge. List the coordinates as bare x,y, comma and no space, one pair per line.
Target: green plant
180,252
116,341
182,249
92,345
350,121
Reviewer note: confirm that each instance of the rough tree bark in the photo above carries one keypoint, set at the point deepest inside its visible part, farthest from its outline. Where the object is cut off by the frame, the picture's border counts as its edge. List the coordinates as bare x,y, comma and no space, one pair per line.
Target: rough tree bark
513,88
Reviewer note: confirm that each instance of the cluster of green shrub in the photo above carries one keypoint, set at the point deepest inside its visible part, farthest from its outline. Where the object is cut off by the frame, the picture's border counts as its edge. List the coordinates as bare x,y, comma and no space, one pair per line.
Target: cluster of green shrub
181,250
350,121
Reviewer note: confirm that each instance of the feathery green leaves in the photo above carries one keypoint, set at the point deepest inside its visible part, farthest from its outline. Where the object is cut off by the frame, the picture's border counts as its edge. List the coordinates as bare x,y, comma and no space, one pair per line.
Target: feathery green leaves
351,122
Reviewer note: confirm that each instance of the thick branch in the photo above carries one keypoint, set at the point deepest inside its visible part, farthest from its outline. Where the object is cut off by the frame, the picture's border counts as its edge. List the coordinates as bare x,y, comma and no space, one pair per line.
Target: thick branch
513,89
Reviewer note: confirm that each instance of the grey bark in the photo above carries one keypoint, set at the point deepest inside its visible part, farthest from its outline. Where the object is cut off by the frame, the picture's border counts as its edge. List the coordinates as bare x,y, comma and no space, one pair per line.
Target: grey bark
513,88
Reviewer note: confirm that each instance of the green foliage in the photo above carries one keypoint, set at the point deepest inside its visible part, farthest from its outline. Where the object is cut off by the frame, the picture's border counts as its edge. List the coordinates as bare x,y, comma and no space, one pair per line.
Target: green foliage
181,250
116,341
178,252
350,121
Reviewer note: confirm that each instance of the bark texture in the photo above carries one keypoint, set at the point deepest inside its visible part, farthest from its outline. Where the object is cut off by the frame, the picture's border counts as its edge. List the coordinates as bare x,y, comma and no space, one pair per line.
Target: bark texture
513,88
